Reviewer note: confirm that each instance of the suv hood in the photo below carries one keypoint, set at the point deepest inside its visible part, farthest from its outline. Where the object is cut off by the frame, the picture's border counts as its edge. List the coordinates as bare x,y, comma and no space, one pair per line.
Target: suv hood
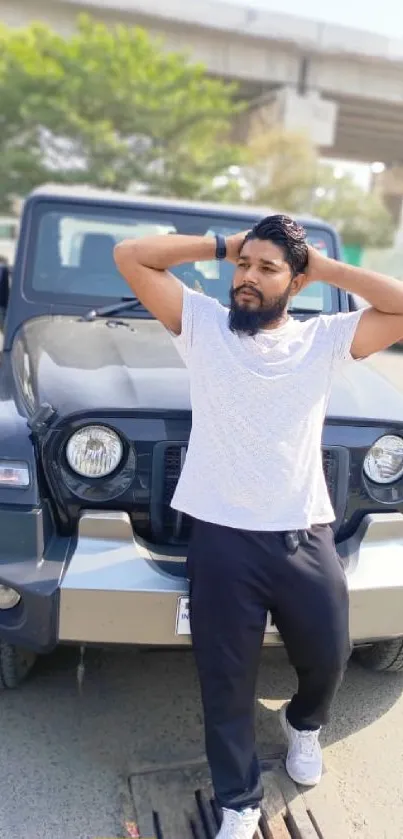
77,365
132,364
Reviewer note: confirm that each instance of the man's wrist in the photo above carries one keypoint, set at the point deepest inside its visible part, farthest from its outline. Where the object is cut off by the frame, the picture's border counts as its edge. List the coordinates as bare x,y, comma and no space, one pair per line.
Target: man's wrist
197,248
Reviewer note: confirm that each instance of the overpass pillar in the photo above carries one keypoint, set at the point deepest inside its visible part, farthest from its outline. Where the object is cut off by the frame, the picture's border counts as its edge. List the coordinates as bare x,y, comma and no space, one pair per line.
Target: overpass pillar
298,107
293,110
306,112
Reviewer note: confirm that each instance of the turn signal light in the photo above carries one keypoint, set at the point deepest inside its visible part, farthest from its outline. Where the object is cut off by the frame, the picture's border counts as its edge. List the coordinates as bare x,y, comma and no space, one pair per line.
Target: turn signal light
14,473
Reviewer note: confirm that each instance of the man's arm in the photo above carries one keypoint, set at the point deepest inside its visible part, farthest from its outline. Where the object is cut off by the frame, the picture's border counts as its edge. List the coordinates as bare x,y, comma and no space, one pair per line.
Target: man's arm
144,264
381,325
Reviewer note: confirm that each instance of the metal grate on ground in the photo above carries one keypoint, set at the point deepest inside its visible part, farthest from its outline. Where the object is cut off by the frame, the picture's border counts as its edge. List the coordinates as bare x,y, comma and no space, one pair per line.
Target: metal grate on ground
177,803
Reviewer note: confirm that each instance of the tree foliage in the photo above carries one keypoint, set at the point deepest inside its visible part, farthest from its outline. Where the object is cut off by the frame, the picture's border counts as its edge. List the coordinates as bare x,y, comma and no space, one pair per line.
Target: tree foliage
360,217
285,173
113,108
282,169
109,107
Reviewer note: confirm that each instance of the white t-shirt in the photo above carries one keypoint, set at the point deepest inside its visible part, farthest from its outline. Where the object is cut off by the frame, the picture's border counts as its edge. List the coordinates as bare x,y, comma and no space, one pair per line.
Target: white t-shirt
254,459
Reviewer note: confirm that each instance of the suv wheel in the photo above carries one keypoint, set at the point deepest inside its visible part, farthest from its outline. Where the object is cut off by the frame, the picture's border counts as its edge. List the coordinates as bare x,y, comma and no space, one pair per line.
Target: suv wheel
15,664
384,656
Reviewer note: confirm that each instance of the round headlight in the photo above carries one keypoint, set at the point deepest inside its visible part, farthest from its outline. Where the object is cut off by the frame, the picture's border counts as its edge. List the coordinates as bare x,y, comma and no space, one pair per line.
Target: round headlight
94,451
384,461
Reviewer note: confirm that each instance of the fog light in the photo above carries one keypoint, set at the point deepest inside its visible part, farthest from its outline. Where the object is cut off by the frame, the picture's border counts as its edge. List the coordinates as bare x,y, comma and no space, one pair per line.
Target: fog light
9,597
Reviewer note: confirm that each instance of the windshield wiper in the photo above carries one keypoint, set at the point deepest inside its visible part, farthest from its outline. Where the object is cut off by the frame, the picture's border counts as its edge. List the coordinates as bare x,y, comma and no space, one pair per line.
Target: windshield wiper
113,308
299,310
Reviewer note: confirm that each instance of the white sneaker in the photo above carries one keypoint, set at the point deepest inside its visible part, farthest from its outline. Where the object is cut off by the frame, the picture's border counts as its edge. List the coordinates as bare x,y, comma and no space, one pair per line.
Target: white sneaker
304,759
239,825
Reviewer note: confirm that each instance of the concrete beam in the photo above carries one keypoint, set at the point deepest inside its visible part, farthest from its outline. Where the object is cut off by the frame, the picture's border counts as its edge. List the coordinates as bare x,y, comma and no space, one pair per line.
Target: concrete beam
263,51
244,44
252,23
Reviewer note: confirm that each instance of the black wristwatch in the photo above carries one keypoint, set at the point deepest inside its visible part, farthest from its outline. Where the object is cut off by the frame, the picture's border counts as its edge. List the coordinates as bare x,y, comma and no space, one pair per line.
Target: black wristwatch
221,247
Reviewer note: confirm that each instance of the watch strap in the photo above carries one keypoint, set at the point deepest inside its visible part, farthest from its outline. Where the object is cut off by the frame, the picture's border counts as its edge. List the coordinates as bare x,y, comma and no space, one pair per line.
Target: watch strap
221,246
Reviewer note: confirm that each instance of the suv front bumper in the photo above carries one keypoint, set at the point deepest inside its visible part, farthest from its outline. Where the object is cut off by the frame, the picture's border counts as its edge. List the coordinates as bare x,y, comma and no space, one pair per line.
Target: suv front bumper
112,589
114,592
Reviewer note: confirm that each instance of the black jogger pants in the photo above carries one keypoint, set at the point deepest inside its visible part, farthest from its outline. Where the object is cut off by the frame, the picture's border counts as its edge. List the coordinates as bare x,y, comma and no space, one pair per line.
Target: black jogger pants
236,576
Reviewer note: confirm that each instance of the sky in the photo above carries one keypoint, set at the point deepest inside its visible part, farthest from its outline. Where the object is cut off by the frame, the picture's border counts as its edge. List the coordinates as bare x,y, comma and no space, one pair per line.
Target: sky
384,18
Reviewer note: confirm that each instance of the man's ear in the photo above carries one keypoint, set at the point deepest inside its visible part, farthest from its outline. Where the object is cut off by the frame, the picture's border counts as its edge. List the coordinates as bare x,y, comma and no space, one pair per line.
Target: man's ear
299,282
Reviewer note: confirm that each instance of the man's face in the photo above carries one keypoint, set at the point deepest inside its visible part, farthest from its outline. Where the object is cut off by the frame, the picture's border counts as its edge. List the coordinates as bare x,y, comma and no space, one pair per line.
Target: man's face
262,286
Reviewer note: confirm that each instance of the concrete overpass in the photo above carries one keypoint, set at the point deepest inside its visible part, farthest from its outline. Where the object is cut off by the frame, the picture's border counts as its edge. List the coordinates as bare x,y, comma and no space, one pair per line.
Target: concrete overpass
266,53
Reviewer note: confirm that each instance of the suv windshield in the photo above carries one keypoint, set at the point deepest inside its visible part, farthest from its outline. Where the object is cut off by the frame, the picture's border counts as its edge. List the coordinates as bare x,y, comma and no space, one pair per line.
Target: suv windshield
71,253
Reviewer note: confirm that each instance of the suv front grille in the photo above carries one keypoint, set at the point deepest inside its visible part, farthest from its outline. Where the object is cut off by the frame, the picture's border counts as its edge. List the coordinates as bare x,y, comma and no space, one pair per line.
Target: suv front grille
177,527
173,462
330,462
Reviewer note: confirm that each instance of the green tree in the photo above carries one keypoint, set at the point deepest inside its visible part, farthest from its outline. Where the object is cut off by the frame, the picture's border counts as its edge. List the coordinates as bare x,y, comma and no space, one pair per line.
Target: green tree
360,217
110,107
284,173
282,170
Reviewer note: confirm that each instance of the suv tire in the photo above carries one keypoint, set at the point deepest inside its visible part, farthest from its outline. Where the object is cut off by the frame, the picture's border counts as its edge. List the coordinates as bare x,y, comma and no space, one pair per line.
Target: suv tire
382,657
15,664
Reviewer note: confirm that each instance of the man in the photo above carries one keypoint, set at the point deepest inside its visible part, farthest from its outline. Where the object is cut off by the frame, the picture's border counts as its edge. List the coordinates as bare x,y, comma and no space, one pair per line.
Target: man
253,482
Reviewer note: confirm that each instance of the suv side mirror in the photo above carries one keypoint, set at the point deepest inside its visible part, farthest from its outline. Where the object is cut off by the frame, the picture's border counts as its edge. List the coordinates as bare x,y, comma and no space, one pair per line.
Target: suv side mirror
4,286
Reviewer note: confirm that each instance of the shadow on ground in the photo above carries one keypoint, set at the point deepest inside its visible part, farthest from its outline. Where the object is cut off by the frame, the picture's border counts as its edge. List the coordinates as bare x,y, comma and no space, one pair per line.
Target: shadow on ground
159,690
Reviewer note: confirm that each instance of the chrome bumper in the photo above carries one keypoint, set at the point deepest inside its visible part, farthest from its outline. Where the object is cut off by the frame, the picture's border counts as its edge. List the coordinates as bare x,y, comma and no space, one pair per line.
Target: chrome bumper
373,560
114,592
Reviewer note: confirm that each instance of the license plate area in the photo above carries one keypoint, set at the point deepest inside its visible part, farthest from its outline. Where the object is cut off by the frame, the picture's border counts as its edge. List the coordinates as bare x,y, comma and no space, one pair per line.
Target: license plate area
183,622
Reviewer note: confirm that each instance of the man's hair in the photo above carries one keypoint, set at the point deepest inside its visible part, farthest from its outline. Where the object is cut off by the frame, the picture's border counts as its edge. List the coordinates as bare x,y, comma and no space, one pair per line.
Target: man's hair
288,235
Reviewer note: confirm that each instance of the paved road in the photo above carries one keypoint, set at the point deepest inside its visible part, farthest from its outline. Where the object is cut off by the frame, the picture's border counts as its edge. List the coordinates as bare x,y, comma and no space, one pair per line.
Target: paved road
62,754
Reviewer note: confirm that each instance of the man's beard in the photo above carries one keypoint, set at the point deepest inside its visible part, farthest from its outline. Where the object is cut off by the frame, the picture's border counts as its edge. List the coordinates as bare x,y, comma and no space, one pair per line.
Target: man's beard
247,321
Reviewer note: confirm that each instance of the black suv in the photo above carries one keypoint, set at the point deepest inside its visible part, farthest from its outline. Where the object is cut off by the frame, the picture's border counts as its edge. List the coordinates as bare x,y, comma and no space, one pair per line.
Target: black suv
94,422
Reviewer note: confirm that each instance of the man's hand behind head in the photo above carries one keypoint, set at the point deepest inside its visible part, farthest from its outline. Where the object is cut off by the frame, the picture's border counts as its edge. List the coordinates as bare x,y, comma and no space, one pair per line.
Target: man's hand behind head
234,245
